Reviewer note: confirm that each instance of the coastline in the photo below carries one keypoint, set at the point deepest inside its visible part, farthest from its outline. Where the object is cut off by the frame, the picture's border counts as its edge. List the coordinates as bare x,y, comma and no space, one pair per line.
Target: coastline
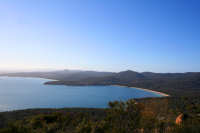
157,92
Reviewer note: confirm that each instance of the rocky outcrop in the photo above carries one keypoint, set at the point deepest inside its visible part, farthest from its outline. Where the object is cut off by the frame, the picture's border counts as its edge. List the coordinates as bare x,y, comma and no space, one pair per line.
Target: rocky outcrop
179,119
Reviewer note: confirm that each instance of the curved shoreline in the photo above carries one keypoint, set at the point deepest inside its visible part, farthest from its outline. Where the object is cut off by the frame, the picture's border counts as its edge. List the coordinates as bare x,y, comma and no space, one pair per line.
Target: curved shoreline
157,92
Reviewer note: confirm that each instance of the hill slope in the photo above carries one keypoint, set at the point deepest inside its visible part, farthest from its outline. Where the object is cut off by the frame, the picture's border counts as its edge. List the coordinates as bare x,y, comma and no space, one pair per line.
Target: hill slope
175,84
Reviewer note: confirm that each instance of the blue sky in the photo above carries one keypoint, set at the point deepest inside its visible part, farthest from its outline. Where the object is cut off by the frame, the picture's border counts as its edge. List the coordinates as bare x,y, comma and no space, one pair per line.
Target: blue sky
104,35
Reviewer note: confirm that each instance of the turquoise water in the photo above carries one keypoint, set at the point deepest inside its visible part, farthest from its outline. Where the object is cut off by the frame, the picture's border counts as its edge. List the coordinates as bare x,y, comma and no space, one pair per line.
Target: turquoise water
22,93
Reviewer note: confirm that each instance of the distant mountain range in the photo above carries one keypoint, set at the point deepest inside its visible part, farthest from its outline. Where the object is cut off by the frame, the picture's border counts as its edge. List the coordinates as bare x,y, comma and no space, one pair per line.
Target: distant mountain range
64,75
175,84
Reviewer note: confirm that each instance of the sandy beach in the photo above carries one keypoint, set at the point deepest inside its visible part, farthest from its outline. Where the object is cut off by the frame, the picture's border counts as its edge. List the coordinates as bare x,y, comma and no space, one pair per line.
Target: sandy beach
157,92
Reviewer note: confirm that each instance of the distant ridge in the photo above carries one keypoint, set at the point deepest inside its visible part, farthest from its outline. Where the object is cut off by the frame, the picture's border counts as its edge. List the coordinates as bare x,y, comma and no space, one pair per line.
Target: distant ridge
175,84
65,75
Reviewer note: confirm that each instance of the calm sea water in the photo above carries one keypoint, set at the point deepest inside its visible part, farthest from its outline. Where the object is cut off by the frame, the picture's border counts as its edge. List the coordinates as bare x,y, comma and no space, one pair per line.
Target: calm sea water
22,93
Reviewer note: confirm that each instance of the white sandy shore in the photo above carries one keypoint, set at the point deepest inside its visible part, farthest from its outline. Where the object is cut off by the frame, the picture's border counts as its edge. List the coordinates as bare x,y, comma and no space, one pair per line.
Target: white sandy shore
157,92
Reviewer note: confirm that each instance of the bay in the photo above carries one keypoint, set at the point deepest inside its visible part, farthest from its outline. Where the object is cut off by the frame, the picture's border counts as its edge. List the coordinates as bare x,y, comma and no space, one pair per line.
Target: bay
18,93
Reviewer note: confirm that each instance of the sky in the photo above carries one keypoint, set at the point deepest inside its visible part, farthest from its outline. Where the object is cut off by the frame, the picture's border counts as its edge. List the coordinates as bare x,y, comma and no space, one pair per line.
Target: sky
103,35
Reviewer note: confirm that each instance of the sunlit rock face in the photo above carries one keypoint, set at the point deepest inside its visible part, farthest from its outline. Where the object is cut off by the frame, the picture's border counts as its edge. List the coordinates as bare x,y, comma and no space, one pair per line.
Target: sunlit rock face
179,119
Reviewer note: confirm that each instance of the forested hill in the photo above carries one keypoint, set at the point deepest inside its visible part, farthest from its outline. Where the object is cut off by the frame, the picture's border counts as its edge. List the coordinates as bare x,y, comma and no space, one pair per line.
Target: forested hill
175,84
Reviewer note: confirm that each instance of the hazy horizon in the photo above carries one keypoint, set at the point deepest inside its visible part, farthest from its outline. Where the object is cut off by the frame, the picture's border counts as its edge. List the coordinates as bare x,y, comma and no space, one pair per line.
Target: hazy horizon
52,70
155,36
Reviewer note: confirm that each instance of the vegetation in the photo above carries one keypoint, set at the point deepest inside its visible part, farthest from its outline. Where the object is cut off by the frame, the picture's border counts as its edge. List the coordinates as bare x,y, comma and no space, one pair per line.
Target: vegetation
175,84
133,116
173,114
